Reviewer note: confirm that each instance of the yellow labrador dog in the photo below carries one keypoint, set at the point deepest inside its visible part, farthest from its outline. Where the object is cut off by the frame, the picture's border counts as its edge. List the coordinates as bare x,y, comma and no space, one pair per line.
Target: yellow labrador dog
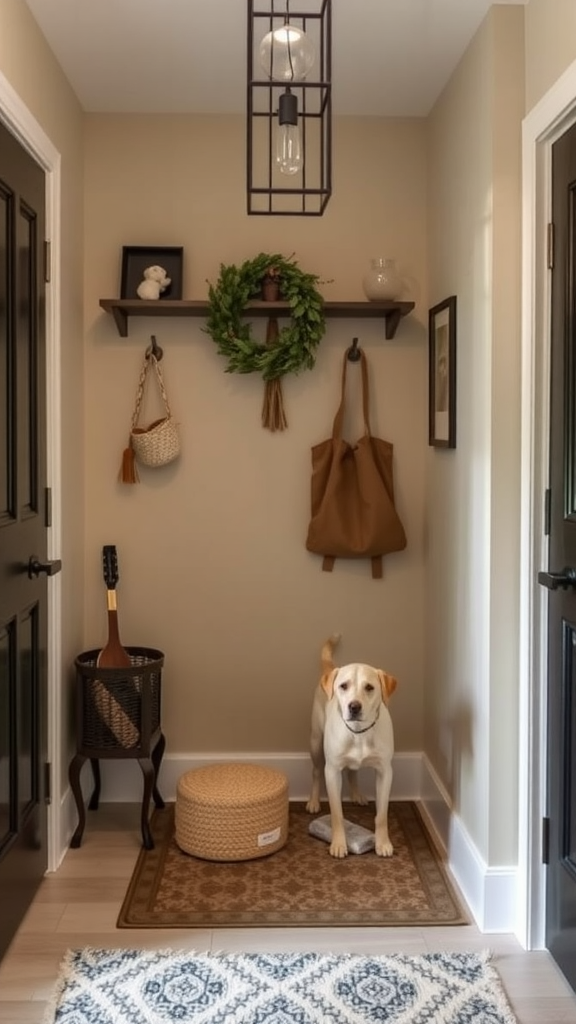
351,729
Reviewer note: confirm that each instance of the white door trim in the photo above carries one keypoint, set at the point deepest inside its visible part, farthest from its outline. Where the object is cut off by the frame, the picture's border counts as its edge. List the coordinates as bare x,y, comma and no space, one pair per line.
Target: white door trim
550,118
18,119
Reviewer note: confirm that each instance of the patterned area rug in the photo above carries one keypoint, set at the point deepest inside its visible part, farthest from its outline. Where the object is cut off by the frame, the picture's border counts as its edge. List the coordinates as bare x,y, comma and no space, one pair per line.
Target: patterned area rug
133,986
298,885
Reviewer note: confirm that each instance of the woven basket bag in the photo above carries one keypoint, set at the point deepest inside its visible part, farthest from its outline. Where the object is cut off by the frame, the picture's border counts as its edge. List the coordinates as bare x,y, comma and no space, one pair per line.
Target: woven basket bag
157,444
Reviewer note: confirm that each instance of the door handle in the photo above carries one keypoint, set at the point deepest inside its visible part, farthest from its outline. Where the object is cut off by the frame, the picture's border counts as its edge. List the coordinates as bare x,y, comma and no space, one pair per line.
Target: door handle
35,567
553,580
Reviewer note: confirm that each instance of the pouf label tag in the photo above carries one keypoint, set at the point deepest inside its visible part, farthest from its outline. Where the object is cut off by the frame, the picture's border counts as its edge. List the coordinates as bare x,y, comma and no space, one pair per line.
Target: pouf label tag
265,838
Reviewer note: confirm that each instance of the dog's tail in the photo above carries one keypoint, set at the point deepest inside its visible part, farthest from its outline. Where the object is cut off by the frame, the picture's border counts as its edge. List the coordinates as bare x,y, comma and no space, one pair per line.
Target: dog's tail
326,655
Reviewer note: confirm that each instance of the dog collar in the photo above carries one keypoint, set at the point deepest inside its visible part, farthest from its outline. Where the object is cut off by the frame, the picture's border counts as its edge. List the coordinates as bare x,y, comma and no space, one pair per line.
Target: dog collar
358,732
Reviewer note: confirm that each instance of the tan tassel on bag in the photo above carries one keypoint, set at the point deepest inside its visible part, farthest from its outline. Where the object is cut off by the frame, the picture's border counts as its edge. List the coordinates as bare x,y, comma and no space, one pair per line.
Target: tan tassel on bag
128,473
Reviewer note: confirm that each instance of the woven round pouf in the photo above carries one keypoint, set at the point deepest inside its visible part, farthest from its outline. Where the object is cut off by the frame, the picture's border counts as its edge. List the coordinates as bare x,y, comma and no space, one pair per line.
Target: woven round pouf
231,812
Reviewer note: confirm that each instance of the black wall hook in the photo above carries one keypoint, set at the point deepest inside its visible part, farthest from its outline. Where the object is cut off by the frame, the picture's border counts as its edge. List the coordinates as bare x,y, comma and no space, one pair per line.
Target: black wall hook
354,352
154,349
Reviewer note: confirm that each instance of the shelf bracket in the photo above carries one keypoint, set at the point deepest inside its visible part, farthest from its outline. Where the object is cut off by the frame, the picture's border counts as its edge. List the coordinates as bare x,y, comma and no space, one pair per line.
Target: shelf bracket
121,320
392,321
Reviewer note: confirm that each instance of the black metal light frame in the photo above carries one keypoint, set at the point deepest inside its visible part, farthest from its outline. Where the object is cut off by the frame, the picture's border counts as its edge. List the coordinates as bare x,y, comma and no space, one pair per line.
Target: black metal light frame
268,191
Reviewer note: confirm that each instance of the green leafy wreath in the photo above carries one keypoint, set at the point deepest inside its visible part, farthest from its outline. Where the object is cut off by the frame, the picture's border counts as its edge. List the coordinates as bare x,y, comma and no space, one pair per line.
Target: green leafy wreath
294,347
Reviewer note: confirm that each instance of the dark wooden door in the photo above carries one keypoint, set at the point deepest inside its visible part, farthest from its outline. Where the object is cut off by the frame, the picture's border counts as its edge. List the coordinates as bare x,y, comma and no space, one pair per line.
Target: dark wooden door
561,577
23,533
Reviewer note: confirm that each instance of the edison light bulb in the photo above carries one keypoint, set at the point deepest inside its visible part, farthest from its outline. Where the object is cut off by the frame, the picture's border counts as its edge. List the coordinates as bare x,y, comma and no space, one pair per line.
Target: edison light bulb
288,149
288,145
286,54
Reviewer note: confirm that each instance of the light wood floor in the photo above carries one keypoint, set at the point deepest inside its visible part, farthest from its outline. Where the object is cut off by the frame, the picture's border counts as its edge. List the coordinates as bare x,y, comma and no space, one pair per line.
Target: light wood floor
78,906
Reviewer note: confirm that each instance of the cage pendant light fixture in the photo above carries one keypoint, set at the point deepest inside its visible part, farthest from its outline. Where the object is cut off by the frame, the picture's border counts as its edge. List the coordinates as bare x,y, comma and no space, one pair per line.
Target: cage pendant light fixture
289,107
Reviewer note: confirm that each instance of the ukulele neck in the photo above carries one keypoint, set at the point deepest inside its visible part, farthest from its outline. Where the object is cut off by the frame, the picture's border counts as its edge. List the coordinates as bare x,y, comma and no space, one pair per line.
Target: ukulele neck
113,633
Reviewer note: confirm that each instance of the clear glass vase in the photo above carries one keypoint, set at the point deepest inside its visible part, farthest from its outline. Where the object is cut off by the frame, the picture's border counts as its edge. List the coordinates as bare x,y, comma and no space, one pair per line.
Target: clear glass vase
382,280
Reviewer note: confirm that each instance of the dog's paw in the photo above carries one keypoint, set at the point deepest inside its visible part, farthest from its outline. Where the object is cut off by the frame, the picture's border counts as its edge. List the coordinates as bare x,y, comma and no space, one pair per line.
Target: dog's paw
357,797
384,848
338,849
313,806
338,844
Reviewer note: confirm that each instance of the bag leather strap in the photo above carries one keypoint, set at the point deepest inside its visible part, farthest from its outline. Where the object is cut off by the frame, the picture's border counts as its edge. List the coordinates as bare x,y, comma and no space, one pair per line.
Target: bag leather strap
376,560
339,417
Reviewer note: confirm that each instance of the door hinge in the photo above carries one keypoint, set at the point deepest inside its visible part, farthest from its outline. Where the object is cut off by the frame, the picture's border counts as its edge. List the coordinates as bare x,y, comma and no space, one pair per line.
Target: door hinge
48,506
47,261
545,840
547,511
550,246
47,782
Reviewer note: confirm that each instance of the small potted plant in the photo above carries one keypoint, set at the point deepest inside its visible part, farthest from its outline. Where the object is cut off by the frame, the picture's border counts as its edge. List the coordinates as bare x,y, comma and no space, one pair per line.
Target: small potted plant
271,284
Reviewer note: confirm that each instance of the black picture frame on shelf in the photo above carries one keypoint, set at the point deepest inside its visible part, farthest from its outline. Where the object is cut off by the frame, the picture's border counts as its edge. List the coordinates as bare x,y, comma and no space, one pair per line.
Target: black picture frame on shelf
442,374
137,258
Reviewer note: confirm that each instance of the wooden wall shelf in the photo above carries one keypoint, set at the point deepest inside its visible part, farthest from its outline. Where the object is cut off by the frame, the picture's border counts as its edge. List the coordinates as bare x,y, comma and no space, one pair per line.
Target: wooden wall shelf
122,309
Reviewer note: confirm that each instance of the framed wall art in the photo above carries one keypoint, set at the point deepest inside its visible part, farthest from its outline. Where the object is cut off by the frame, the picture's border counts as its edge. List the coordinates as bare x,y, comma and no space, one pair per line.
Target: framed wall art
137,258
442,374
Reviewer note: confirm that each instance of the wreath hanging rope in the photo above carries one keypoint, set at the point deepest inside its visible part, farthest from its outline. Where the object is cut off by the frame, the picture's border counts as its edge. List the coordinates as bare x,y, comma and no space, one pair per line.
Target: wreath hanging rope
289,349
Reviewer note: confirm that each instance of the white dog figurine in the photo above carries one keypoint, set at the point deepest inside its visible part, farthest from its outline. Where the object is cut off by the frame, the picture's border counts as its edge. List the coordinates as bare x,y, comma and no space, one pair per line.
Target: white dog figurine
155,282
351,729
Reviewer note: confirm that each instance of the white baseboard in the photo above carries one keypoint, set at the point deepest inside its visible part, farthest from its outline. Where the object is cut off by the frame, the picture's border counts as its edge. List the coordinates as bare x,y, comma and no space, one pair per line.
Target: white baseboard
490,892
122,779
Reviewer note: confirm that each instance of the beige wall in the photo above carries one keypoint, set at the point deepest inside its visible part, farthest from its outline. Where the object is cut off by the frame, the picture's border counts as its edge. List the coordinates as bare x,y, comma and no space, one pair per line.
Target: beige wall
550,44
31,70
470,701
212,559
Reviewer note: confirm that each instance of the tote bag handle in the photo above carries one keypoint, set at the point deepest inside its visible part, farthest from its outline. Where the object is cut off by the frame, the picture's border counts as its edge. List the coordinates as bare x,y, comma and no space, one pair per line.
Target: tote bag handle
339,417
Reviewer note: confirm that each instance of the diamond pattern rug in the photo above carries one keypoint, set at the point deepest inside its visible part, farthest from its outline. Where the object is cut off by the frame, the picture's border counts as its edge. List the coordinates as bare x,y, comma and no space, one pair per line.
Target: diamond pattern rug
137,986
298,885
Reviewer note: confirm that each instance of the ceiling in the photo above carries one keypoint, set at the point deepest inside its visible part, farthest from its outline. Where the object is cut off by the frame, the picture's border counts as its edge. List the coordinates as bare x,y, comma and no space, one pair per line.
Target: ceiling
389,57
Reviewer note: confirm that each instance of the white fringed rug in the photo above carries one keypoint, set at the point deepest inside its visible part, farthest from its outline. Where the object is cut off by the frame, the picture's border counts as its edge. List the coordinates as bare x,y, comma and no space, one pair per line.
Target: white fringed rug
127,986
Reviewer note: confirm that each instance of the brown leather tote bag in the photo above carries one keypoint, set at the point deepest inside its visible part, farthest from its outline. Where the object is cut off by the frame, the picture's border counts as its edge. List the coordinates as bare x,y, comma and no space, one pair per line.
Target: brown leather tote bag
352,494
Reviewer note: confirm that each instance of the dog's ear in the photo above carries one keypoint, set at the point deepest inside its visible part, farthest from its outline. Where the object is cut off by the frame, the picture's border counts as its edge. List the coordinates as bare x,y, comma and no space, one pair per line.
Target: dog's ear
327,682
388,684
